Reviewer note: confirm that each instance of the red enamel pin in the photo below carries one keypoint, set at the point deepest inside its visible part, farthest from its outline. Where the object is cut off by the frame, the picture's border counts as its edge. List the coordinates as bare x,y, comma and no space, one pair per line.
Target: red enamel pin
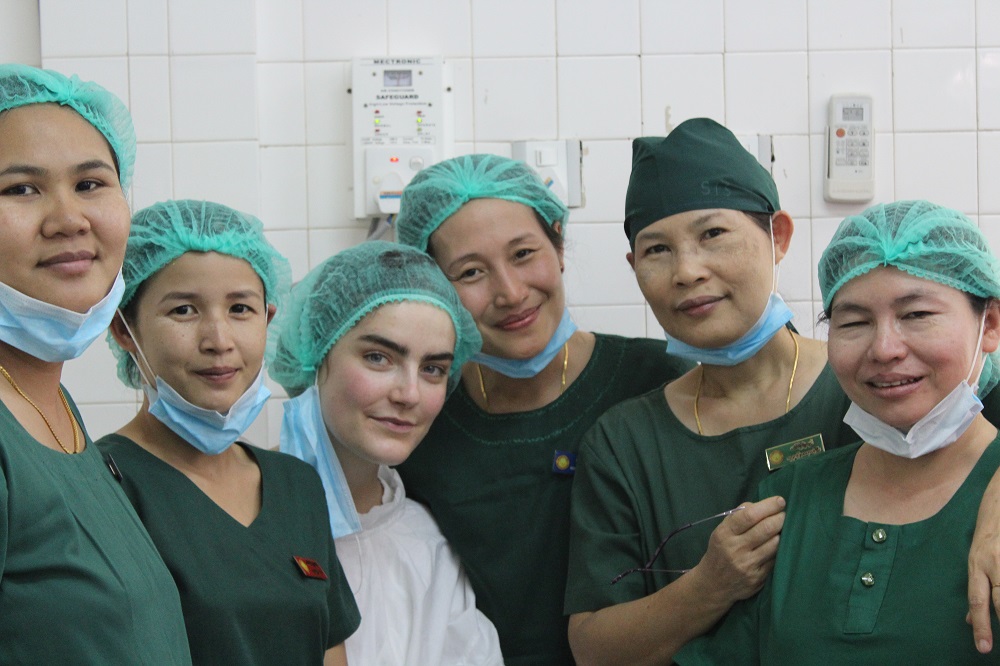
309,568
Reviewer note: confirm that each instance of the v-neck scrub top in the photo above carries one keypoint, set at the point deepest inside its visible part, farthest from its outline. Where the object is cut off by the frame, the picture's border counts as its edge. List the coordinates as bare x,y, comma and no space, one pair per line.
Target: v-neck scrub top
80,580
245,599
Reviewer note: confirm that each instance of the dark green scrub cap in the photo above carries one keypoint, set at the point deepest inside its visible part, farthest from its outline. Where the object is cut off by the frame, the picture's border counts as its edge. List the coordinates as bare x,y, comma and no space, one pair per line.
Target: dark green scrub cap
698,166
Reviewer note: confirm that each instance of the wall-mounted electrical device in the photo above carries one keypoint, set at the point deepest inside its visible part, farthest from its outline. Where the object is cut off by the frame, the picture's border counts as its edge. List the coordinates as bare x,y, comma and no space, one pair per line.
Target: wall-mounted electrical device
402,122
557,163
850,150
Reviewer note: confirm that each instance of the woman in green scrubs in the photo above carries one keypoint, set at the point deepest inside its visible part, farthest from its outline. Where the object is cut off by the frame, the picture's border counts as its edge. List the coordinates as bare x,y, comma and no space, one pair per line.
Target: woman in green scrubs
80,579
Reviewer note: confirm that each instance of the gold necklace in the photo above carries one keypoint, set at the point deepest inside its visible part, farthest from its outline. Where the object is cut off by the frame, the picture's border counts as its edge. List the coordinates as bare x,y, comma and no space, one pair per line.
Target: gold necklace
562,386
788,400
69,412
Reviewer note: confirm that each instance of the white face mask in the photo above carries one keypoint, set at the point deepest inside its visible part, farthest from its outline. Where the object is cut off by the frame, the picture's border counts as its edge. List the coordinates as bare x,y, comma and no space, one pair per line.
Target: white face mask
941,426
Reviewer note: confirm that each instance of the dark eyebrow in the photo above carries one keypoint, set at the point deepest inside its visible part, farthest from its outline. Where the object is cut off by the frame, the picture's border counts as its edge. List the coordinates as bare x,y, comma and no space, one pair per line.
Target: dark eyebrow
31,170
403,350
902,301
647,234
94,164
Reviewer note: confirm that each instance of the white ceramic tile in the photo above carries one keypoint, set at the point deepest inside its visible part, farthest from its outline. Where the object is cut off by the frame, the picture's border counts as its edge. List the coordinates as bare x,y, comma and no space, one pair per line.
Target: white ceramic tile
281,100
111,73
790,170
988,22
92,377
933,23
20,35
331,187
677,88
461,93
606,168
989,172
838,72
294,246
324,243
681,26
515,98
802,317
988,81
101,420
212,26
934,90
147,27
283,187
990,226
766,93
464,148
885,178
494,23
939,167
599,97
60,21
154,174
496,148
831,27
149,93
328,104
596,270
226,172
653,328
213,98
822,233
257,433
795,272
279,30
439,27
765,25
625,320
597,27
344,29
275,411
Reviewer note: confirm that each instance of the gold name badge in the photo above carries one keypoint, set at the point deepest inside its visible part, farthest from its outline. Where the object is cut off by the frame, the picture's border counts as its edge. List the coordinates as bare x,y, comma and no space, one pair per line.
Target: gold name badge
782,454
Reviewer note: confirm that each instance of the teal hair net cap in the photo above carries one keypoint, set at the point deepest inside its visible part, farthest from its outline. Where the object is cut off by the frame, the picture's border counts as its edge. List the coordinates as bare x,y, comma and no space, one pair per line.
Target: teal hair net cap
700,165
21,85
923,239
338,293
437,192
166,230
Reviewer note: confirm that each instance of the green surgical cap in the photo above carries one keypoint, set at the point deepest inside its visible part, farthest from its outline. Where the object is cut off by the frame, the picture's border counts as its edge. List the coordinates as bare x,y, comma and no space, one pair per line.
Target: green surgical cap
166,230
437,192
338,293
21,85
923,239
700,165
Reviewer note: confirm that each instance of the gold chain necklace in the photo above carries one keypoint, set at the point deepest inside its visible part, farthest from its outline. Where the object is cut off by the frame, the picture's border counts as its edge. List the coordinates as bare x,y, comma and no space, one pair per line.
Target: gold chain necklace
562,387
69,412
788,400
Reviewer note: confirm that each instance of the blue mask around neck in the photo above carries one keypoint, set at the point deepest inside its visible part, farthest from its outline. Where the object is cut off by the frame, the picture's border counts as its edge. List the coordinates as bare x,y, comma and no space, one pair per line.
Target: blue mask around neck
52,333
208,431
776,314
529,367
304,435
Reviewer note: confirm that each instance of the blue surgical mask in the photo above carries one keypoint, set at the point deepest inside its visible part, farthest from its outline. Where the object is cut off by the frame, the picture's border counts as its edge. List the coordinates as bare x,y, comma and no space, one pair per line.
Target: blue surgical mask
304,435
939,427
525,368
52,333
776,314
208,431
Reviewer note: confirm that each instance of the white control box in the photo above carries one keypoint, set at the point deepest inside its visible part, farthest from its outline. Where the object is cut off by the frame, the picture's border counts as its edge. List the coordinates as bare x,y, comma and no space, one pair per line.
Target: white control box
850,150
402,122
557,163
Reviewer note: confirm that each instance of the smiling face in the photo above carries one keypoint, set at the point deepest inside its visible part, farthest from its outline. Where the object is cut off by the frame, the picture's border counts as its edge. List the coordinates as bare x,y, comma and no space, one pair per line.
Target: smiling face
64,220
383,383
507,273
707,274
201,323
899,344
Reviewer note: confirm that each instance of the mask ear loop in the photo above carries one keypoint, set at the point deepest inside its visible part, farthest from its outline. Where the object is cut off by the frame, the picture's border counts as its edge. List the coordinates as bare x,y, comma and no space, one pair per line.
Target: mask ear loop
977,356
139,366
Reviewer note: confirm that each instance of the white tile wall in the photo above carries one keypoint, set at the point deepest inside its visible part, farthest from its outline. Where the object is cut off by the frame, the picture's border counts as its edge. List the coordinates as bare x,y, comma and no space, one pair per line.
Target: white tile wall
247,103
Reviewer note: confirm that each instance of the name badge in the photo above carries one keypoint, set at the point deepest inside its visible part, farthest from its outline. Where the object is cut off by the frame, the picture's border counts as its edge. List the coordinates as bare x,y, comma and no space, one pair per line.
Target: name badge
789,452
310,568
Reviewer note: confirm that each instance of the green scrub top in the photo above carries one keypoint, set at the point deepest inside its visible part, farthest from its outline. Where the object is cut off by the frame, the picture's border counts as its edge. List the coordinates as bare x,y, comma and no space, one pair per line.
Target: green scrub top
80,579
245,599
844,591
642,473
493,483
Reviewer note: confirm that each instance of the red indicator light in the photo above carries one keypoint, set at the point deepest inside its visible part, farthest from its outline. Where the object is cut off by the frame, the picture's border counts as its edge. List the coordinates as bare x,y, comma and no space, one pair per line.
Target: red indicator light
393,159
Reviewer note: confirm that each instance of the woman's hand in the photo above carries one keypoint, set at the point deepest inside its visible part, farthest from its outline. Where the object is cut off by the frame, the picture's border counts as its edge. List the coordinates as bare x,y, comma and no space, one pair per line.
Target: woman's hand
984,568
741,549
